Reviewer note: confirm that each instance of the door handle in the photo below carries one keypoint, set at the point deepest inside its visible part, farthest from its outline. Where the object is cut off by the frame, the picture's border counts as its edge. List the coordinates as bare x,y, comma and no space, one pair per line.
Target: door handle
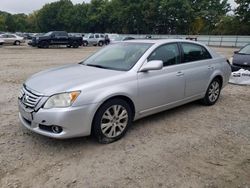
210,67
179,73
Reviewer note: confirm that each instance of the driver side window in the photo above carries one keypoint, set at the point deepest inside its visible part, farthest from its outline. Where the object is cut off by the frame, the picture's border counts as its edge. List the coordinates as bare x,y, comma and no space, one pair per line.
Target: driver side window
168,53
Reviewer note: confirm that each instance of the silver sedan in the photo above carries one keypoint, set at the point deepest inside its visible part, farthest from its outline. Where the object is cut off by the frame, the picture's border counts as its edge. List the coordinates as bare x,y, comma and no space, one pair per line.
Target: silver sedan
123,82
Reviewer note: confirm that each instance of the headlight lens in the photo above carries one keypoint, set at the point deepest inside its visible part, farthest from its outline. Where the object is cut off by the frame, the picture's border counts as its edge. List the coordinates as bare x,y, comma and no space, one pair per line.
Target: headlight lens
231,60
61,100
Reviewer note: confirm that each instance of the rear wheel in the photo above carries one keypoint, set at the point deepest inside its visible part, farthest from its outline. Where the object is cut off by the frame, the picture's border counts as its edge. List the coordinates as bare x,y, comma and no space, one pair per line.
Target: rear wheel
112,121
85,43
17,42
100,43
75,45
213,92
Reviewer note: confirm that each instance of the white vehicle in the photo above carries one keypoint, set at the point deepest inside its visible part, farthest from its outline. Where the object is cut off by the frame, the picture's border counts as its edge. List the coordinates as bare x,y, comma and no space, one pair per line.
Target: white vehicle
12,39
94,39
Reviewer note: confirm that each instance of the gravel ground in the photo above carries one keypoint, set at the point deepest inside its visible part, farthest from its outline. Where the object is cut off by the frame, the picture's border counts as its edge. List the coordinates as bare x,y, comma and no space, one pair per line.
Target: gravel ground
189,146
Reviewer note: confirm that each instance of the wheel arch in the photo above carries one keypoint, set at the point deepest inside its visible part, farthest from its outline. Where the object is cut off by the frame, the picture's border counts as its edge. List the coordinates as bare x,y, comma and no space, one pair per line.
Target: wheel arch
217,74
120,96
220,78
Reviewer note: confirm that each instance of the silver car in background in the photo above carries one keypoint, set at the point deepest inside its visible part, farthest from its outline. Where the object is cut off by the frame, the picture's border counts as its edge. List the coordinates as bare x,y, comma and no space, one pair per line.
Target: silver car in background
119,84
94,39
12,39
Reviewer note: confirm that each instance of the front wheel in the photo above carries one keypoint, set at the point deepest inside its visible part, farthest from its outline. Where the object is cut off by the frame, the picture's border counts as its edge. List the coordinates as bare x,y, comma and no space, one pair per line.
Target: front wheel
213,92
44,44
112,121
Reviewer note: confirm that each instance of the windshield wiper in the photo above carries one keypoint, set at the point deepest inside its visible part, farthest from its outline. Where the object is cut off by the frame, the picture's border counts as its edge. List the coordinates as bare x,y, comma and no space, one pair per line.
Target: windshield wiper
98,66
243,53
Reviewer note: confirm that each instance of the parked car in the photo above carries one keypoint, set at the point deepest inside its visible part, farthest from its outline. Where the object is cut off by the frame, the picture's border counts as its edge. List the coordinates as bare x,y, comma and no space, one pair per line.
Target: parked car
56,38
119,84
94,39
12,39
28,36
1,41
241,59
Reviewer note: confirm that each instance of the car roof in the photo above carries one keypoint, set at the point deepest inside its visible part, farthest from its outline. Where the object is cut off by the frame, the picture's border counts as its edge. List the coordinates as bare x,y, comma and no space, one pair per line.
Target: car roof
161,41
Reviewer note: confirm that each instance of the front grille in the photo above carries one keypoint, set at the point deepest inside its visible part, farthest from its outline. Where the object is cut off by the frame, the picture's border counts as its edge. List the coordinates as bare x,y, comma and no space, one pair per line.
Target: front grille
28,98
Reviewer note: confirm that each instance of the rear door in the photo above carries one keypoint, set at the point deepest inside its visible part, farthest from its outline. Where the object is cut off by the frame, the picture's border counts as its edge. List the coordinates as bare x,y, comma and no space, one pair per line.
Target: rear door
197,67
159,88
5,38
12,39
61,38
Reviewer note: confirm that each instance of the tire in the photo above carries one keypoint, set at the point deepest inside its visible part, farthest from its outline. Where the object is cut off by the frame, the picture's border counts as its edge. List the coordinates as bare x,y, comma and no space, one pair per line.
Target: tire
112,121
75,45
213,92
17,43
85,43
44,44
100,43
68,46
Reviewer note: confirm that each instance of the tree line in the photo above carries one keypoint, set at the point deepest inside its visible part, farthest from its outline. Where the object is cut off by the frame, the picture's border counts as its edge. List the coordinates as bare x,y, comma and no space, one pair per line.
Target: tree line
135,17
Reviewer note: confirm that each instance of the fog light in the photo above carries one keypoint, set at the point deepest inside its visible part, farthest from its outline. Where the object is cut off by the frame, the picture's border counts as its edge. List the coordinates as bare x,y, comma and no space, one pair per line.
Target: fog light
56,129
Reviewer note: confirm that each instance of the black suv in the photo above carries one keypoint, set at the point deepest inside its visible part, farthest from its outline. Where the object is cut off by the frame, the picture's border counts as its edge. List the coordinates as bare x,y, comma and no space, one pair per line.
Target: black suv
56,38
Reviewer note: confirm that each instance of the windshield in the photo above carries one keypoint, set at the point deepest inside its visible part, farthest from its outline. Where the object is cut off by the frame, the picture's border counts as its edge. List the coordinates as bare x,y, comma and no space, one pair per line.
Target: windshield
87,35
245,50
47,34
121,56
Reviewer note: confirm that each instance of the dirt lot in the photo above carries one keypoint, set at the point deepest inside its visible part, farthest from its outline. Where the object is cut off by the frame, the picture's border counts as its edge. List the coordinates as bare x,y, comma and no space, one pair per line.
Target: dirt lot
190,146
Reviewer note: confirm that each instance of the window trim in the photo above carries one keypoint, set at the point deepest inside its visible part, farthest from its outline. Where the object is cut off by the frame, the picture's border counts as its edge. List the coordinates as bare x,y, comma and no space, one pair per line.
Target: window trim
182,52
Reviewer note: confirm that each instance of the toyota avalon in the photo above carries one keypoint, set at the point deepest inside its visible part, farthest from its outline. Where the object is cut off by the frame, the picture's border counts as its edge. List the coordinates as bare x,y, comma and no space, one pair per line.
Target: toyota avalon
123,82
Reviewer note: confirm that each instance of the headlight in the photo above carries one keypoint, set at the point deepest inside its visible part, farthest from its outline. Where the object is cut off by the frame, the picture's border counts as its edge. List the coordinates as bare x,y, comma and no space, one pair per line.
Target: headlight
230,60
61,100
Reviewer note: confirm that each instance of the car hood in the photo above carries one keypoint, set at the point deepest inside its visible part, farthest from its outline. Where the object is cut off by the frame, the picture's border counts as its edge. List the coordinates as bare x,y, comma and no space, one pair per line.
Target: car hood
67,78
241,59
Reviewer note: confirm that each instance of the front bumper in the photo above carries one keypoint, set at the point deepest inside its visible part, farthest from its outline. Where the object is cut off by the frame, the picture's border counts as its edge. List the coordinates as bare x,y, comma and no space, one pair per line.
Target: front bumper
74,121
31,43
235,67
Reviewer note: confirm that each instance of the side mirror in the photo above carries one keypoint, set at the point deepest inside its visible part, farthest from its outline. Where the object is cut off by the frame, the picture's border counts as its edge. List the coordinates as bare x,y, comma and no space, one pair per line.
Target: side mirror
235,52
152,65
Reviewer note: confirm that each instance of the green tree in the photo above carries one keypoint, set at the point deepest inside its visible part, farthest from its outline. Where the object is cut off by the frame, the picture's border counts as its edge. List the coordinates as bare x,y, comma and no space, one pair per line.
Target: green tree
242,13
10,23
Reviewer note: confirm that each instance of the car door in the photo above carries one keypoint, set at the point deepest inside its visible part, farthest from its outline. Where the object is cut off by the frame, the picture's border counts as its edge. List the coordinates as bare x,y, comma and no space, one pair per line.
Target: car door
61,38
4,37
91,39
97,37
197,68
11,39
158,89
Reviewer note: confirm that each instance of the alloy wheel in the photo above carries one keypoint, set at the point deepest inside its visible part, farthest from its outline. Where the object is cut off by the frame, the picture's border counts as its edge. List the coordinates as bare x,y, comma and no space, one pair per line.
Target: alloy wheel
114,121
214,91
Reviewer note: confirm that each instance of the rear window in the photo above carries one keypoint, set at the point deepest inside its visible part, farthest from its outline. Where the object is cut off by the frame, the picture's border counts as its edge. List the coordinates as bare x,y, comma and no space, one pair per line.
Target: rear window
194,52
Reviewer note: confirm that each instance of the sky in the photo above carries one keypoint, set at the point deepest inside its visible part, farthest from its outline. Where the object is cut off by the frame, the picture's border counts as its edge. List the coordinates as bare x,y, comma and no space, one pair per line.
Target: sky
28,6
